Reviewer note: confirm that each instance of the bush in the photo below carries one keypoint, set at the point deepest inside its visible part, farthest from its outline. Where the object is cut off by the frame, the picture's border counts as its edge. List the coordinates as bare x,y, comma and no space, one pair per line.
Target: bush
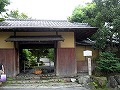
107,63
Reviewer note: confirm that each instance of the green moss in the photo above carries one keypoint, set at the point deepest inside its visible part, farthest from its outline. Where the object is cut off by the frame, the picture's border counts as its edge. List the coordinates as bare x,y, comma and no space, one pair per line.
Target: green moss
99,82
10,79
102,89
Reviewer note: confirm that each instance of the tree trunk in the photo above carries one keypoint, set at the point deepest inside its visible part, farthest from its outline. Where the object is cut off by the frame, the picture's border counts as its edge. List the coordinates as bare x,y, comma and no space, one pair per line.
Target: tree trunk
38,58
111,43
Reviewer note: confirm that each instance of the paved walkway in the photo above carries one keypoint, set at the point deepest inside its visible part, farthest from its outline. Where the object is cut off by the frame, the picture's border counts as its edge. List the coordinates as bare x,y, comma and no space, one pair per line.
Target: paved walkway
43,86
41,83
63,88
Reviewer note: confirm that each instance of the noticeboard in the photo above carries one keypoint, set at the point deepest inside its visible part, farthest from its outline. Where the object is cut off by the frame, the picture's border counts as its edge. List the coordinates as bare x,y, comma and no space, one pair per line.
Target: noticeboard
87,53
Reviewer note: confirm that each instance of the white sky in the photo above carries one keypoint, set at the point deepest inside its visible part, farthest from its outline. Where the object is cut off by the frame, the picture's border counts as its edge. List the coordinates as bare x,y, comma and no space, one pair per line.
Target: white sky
46,9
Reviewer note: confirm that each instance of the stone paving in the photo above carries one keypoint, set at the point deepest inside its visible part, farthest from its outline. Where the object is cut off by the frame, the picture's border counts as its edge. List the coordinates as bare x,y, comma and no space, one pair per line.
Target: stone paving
49,88
43,85
41,82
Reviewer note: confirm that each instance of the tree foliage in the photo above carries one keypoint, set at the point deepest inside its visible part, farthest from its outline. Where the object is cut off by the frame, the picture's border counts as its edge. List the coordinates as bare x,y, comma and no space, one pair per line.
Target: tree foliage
3,3
104,14
39,53
84,14
116,24
30,55
26,54
43,52
108,63
110,11
50,54
12,14
16,15
27,59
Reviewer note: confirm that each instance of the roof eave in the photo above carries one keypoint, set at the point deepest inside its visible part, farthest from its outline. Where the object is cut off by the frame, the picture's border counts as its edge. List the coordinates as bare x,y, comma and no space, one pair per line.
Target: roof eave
43,29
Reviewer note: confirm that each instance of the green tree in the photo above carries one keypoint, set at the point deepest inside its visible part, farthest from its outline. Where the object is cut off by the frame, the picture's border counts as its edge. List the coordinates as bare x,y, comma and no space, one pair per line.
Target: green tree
16,15
26,54
50,54
27,58
103,14
43,52
3,3
116,25
108,63
38,53
84,14
110,12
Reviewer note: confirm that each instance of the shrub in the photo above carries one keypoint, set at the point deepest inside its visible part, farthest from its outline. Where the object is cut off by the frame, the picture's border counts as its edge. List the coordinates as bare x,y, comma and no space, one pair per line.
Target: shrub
107,63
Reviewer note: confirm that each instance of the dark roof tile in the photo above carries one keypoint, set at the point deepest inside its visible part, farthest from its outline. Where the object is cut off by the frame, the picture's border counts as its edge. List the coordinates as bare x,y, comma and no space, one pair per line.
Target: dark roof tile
41,23
82,30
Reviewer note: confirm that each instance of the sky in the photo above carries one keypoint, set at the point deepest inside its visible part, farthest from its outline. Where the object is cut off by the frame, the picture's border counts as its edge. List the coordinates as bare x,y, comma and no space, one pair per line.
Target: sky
46,9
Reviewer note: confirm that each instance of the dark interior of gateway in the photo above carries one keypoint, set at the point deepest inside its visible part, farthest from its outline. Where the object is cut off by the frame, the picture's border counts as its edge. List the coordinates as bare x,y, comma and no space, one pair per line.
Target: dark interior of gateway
37,58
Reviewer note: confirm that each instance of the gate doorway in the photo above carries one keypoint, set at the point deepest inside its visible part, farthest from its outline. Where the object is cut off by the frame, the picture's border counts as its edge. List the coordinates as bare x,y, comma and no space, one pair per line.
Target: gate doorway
40,57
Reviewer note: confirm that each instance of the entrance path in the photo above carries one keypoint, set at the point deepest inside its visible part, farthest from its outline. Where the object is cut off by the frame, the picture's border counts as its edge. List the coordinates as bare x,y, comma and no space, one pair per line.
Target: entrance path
43,86
63,88
42,83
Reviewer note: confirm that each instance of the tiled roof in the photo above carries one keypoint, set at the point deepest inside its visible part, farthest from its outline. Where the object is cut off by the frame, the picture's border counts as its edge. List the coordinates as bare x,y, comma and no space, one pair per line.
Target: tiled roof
41,23
82,30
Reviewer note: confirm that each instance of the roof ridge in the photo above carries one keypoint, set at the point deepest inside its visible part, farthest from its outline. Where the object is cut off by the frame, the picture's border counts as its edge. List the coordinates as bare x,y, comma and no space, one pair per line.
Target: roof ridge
77,23
42,23
34,20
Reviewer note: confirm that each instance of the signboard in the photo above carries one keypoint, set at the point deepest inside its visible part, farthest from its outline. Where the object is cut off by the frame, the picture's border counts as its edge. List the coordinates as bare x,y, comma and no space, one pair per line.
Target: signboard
87,53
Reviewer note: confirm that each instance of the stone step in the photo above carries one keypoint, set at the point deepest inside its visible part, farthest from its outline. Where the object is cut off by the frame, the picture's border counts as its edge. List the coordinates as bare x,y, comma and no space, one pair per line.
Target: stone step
40,80
63,82
37,77
45,85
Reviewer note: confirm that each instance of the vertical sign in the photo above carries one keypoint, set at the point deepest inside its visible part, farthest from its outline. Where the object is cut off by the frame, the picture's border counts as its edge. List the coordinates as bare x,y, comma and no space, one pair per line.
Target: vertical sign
89,66
88,53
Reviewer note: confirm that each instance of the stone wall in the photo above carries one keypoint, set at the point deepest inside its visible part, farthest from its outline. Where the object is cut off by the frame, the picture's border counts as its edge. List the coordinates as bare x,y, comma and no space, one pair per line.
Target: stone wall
103,82
114,81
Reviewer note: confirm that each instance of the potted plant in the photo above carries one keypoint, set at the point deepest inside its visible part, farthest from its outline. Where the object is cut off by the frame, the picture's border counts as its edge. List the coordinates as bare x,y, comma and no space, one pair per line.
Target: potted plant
37,70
